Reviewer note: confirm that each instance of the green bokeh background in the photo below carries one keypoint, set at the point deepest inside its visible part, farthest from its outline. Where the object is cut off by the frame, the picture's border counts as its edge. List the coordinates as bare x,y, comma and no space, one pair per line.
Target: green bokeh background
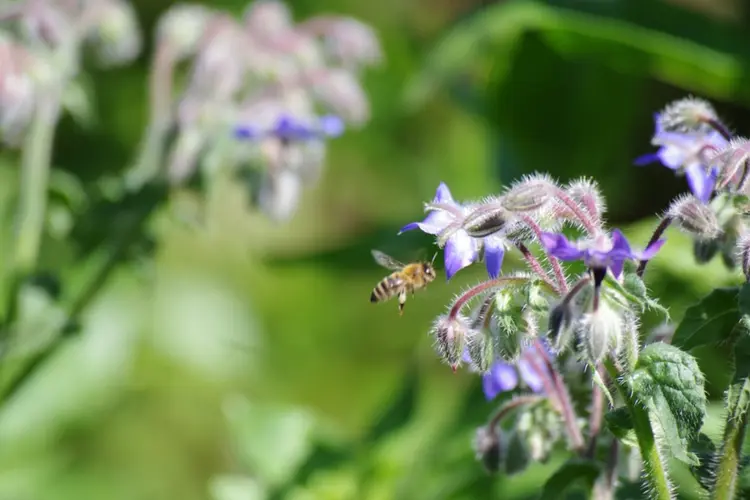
245,361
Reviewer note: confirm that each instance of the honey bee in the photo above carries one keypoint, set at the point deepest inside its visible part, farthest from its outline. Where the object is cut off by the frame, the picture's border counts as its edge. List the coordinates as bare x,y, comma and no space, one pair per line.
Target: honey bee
404,279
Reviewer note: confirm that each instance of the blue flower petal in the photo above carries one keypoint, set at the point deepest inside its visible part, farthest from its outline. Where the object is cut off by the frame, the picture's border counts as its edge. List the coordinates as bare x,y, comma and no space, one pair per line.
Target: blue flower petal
494,251
529,374
646,159
443,194
331,125
558,246
460,251
502,377
701,182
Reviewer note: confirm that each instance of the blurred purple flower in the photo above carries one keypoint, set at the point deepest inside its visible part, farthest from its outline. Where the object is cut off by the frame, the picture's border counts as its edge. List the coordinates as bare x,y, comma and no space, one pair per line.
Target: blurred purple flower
460,248
504,376
601,253
688,152
288,128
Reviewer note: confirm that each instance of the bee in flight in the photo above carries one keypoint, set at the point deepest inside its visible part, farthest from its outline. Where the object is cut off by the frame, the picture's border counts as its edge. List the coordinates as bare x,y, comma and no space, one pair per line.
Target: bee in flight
405,278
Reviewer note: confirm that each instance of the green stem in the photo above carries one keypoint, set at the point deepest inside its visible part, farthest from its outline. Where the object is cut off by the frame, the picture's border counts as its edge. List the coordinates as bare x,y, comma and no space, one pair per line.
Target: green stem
728,468
35,167
657,477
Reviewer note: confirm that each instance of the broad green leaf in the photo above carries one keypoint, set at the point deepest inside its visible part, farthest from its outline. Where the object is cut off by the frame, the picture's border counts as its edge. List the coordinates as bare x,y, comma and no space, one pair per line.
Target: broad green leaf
235,487
743,299
620,423
669,383
710,321
704,449
572,471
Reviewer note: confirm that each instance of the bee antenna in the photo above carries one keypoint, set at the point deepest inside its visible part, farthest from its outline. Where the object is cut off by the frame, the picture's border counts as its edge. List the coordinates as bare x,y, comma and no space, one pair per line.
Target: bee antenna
433,258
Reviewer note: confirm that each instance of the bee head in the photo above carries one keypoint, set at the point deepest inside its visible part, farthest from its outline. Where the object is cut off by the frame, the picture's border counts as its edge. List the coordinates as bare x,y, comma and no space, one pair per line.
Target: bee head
428,270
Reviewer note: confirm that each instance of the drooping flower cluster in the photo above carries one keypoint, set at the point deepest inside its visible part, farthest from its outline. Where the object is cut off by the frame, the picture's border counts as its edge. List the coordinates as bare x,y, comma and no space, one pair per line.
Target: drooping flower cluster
41,44
693,140
263,95
523,326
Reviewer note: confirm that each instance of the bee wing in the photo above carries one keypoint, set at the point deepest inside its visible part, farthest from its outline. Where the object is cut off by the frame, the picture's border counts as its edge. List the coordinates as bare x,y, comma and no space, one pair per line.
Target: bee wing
386,261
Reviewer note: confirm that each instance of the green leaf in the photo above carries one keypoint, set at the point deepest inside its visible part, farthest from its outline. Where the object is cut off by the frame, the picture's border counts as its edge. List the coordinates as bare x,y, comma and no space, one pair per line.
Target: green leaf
669,384
570,472
620,423
704,449
710,321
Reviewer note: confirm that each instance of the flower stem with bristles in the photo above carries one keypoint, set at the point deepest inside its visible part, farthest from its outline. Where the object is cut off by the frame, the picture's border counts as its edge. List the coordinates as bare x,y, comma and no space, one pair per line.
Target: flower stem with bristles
481,288
595,416
727,472
718,126
569,202
537,267
510,406
654,464
559,276
663,225
563,398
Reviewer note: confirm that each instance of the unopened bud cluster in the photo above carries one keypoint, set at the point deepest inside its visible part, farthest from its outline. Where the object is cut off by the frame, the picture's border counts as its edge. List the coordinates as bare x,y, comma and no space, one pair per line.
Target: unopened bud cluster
41,46
263,95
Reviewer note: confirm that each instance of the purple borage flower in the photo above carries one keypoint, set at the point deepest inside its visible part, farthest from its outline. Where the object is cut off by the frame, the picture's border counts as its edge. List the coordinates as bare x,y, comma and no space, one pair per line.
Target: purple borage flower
688,153
599,254
504,377
289,128
460,248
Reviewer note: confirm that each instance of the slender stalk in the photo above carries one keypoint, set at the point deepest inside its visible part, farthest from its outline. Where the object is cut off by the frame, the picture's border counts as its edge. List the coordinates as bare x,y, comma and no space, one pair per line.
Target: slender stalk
35,167
595,417
510,406
727,471
537,267
563,397
663,225
654,465
556,268
481,288
583,218
718,126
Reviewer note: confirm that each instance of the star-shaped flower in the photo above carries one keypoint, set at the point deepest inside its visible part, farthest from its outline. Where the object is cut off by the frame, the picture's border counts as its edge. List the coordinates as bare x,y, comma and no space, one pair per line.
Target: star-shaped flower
602,252
445,219
289,128
689,153
504,376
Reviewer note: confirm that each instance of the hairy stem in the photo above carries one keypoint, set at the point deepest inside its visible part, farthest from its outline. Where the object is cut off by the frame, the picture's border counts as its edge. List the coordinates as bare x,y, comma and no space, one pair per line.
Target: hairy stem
563,397
481,288
654,465
556,268
595,416
35,167
727,472
569,202
663,225
537,267
718,126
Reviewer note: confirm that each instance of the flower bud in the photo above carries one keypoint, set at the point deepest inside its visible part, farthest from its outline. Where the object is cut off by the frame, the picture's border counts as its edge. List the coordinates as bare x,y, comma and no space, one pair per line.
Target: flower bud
488,448
687,115
340,91
268,20
481,352
528,195
517,454
280,194
450,338
600,332
635,285
182,27
537,300
559,326
694,217
116,37
485,220
585,192
743,254
352,42
705,250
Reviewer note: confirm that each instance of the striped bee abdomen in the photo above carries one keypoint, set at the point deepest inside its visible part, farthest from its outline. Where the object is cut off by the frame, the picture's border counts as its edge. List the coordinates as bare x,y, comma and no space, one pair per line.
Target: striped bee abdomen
386,288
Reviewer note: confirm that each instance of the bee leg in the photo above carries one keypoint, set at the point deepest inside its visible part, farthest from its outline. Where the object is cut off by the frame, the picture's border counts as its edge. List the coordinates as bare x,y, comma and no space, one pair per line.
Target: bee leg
401,302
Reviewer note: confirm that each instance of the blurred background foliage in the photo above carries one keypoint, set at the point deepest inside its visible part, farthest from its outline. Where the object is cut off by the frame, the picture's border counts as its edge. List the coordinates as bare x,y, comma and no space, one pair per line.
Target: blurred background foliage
244,361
